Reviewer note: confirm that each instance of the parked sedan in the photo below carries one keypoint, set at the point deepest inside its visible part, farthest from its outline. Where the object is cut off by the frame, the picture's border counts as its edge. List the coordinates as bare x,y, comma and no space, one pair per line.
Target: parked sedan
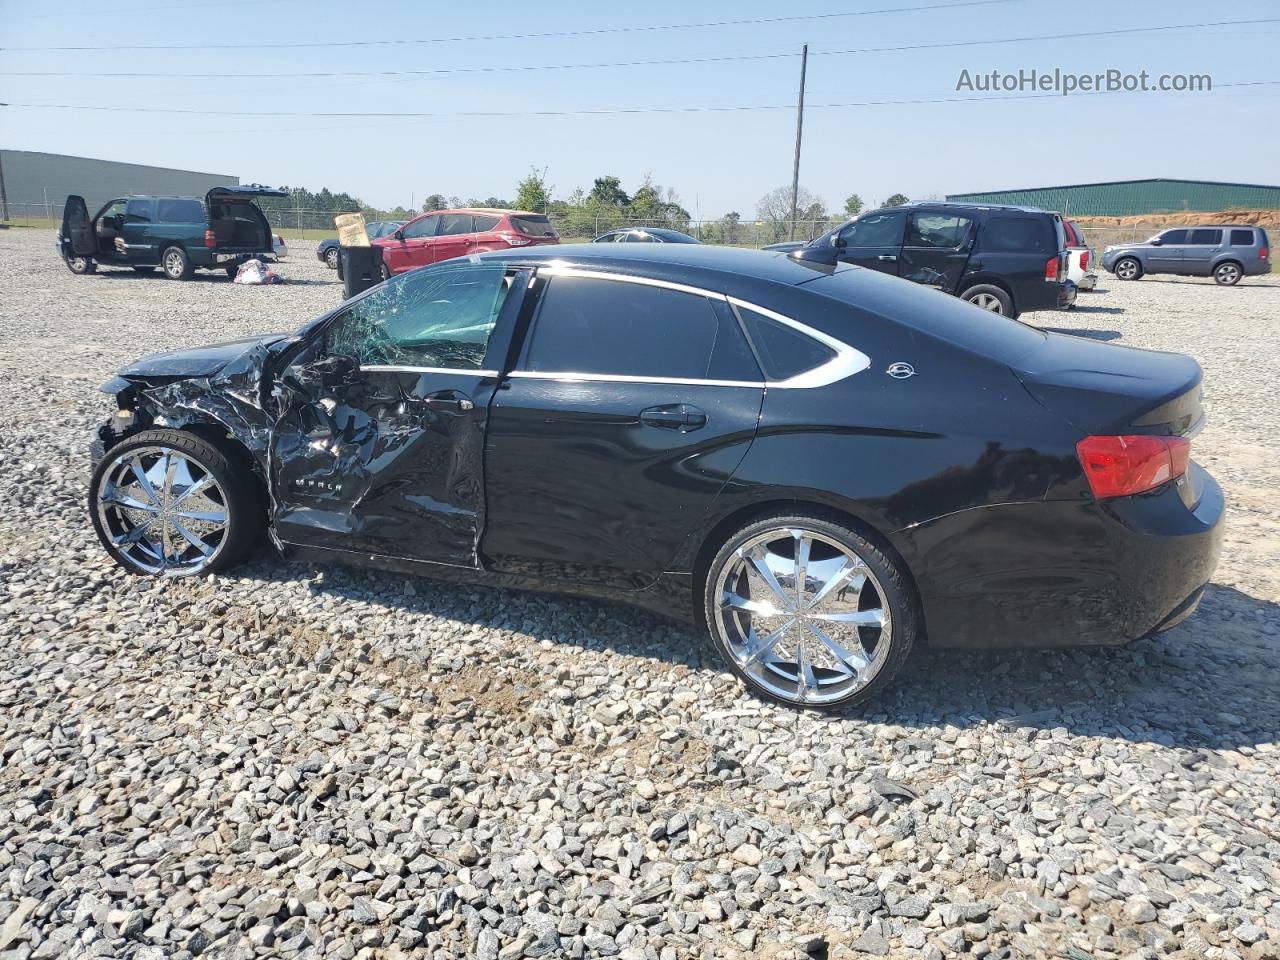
645,235
330,251
822,465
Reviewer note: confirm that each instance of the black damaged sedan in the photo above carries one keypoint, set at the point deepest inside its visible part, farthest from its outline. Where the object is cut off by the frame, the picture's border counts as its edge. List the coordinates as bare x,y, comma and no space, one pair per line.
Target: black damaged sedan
823,465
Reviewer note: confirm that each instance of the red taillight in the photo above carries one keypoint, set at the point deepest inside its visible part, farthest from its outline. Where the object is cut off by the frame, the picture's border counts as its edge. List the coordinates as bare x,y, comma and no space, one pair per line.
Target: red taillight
1121,466
210,238
514,239
1084,260
1052,269
1262,254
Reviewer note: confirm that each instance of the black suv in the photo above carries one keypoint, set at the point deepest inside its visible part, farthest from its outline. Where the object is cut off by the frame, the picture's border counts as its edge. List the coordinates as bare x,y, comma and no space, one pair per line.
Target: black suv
1008,260
178,234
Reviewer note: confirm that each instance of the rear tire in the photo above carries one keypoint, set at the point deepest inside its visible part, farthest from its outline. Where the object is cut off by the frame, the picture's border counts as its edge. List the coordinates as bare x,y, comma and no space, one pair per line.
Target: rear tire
990,298
176,264
384,271
1228,273
824,580
81,265
139,490
331,258
1128,268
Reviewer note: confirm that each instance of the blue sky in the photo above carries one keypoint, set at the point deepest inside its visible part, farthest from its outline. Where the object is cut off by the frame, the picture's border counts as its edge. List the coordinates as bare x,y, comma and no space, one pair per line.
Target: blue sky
716,161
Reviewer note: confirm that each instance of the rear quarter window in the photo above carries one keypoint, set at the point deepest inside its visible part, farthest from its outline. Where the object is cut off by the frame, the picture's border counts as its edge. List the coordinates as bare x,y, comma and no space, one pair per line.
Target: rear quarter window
1018,235
1242,238
537,226
179,211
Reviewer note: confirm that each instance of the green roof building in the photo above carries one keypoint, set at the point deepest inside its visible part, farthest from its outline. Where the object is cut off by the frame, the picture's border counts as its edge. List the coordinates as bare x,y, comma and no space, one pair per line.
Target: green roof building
1119,198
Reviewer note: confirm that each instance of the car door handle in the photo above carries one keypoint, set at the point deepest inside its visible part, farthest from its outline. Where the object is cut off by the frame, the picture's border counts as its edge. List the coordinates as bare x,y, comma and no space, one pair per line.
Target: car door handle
449,401
886,256
674,416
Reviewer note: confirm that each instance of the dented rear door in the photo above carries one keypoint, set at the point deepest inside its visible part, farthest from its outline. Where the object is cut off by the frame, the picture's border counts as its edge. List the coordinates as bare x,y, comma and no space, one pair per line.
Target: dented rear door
379,447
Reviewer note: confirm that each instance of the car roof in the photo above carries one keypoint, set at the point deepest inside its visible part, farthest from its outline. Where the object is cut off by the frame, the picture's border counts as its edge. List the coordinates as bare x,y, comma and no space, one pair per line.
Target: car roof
691,263
500,211
952,205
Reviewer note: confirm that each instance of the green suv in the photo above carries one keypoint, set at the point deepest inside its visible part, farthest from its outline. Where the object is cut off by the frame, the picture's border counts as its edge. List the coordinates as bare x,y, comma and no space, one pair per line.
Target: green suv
178,234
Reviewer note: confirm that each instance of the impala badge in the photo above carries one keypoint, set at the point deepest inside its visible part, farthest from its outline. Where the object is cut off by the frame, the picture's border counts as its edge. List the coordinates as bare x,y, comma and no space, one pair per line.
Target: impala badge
900,370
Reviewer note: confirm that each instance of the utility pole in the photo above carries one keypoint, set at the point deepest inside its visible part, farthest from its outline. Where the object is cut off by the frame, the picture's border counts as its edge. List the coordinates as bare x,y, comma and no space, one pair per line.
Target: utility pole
795,168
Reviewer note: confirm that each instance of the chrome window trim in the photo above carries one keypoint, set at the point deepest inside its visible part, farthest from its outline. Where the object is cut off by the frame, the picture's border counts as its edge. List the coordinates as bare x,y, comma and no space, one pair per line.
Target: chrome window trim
397,368
567,376
846,362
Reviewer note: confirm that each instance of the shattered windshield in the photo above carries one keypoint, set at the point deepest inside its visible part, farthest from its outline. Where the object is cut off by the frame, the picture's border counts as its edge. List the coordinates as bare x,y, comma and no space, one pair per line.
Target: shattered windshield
425,318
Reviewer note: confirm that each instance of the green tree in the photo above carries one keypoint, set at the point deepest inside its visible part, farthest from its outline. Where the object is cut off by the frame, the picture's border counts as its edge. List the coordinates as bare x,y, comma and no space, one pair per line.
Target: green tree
853,205
774,212
532,193
608,192
435,201
897,200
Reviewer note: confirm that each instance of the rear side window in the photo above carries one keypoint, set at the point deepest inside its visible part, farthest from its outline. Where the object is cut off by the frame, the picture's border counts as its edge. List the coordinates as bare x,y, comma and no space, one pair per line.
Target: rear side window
941,230
1018,235
1206,237
534,226
454,224
179,211
139,210
1242,238
484,224
783,351
614,328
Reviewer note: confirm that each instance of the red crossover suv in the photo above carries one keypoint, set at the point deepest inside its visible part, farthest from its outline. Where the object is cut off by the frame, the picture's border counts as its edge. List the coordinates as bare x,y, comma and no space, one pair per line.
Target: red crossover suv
443,234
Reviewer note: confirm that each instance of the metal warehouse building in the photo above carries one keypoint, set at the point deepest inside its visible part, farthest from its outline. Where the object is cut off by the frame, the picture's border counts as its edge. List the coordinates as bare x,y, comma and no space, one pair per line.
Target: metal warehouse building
1120,198
36,184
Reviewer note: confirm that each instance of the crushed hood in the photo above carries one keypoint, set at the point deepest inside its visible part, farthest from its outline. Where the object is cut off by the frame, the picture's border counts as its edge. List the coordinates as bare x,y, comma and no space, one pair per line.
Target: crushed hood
197,361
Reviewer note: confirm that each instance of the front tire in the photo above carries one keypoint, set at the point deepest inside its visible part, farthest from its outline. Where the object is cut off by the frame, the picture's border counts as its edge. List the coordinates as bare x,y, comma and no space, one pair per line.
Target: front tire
176,264
990,298
809,613
1128,268
81,265
170,503
1228,274
331,258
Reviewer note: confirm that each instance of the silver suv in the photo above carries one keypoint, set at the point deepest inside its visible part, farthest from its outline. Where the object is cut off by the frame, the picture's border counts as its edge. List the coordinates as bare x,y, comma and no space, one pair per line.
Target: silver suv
1225,252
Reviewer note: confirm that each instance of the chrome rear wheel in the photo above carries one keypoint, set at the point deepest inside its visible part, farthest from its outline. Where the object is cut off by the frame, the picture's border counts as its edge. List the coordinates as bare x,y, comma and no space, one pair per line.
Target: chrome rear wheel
804,612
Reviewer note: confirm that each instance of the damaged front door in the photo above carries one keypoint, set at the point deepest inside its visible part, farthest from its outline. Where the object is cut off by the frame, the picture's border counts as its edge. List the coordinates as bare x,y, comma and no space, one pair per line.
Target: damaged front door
379,448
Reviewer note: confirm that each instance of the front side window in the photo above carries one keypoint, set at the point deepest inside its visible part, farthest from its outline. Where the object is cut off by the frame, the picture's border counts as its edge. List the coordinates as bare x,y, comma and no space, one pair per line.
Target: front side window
438,318
454,224
939,230
1242,238
1209,238
426,227
875,230
1174,236
614,328
1018,235
116,209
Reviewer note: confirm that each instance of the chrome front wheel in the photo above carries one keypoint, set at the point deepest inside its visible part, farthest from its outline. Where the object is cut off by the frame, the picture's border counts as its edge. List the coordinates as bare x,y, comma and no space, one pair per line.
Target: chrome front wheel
1128,269
807,612
170,504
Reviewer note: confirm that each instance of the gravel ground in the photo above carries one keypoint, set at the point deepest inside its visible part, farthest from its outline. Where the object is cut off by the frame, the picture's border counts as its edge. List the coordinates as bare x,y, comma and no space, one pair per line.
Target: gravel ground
314,762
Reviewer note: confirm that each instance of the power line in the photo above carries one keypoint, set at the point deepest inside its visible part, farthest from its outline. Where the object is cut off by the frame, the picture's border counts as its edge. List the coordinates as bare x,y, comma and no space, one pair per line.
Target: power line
605,111
444,71
645,28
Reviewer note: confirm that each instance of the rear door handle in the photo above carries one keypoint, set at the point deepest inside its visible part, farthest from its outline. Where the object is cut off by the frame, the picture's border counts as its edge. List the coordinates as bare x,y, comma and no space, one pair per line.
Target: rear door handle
674,416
